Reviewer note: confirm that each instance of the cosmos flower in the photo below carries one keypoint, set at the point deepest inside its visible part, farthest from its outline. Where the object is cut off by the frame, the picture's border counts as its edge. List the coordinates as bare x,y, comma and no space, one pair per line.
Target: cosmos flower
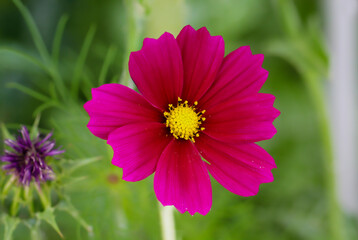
27,160
198,112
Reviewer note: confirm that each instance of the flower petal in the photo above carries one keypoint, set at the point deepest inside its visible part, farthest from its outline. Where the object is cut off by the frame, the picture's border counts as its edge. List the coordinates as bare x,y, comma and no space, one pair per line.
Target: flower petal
25,136
137,148
157,70
182,180
240,168
114,105
202,56
240,74
242,120
13,144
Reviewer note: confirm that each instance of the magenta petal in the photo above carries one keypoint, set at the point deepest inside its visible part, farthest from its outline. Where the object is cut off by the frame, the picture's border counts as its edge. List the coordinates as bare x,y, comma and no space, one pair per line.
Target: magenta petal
239,168
114,105
240,74
182,180
137,148
202,56
242,120
157,70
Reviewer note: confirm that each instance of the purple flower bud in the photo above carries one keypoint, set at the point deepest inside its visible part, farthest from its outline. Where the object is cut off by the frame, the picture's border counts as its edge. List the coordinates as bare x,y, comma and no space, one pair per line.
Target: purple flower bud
27,160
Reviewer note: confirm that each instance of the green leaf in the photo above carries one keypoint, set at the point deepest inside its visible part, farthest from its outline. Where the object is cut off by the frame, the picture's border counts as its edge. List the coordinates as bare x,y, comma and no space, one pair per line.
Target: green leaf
28,91
10,224
24,56
116,79
290,18
44,106
49,217
86,87
7,187
318,40
5,132
28,197
36,36
34,226
57,39
54,73
52,91
15,202
299,54
41,47
35,126
70,209
81,60
68,182
111,53
74,165
303,46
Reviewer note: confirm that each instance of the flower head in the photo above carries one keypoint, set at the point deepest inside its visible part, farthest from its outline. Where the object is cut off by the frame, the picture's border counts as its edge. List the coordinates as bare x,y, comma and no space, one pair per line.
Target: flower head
194,104
27,160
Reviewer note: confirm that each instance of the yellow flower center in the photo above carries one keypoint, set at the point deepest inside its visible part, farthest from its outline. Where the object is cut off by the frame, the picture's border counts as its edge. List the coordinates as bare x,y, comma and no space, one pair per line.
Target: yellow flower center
184,121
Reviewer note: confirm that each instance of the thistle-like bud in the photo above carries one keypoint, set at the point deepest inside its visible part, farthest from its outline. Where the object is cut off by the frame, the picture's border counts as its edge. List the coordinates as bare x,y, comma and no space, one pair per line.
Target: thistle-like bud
27,161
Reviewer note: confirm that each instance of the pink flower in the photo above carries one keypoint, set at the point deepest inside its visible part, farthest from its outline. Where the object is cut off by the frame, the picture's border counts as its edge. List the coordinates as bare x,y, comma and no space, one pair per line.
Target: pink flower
194,104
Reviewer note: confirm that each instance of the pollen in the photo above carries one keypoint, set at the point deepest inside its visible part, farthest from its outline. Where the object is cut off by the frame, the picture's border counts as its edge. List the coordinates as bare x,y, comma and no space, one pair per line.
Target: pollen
184,121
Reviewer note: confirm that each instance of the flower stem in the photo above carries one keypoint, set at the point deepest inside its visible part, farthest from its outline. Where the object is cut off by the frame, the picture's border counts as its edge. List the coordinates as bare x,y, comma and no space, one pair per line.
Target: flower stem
15,202
8,185
335,218
35,231
28,200
44,200
167,222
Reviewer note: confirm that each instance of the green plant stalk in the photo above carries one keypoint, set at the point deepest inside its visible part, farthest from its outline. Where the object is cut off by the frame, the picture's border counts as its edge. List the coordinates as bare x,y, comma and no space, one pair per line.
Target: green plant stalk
26,57
44,200
15,202
28,200
167,222
335,218
8,185
57,79
39,43
111,53
41,47
76,78
10,224
56,45
28,91
35,231
134,31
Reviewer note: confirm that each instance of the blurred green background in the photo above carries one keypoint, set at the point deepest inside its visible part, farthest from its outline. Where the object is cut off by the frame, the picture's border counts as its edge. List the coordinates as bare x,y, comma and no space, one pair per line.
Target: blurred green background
96,41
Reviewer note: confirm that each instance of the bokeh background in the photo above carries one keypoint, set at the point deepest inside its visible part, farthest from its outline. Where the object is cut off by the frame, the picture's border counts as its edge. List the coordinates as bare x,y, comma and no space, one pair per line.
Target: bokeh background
96,40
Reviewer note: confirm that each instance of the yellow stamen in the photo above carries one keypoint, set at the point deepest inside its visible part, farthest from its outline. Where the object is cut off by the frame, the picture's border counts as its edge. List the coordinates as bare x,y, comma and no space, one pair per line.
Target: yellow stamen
183,120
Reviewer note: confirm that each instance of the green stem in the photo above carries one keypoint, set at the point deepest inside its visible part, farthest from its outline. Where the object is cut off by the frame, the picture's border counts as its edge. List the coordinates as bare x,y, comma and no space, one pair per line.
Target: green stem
57,79
36,36
44,200
8,185
15,202
35,231
335,217
28,199
111,53
41,47
134,30
10,224
34,227
167,222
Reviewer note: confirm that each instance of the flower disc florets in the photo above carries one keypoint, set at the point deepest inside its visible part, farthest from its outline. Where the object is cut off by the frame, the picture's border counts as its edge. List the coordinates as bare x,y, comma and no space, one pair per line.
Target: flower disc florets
27,161
184,121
